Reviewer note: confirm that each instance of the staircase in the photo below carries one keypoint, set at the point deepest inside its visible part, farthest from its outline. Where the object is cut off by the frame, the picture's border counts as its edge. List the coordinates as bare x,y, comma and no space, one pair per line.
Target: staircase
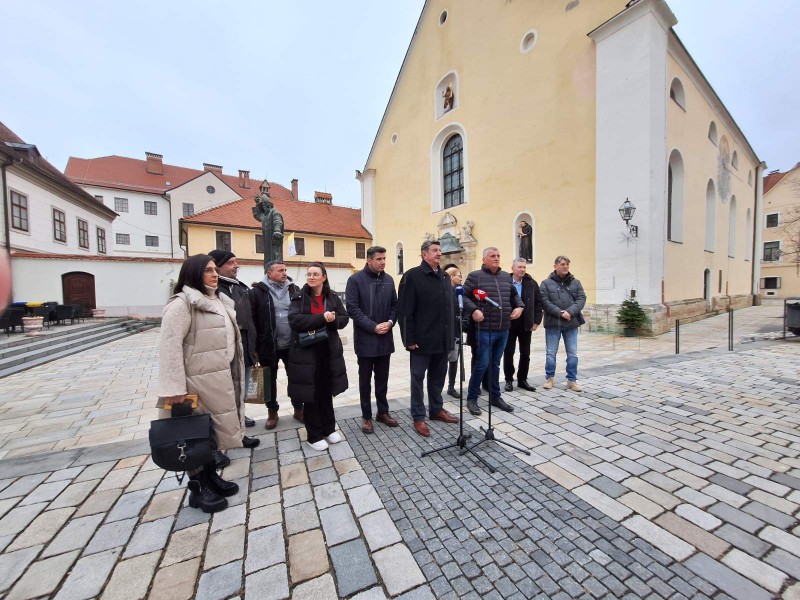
20,352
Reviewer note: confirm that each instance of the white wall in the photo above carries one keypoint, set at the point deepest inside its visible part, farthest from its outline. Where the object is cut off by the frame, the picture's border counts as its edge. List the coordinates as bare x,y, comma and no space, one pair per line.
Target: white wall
41,202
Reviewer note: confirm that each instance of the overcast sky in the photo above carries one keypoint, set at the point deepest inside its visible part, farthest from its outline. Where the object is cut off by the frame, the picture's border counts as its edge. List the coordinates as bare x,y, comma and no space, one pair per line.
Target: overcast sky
298,88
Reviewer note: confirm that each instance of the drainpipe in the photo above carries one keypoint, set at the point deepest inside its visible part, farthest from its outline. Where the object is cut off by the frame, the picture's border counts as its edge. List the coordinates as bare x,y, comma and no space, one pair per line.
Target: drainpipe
756,258
166,197
5,205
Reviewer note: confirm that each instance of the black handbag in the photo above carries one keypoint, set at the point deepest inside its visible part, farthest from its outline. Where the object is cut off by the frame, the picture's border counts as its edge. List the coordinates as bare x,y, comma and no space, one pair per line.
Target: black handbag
182,443
309,338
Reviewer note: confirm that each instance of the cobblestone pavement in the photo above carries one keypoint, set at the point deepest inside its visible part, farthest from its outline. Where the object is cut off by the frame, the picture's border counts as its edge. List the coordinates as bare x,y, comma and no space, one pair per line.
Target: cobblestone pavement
663,479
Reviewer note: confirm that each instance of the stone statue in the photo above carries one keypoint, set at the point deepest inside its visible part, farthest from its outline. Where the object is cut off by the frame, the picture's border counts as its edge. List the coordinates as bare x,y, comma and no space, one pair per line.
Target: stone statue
525,246
449,98
271,225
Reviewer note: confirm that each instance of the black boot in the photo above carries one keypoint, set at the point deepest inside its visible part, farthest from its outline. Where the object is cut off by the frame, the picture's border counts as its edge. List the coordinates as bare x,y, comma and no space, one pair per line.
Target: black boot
203,496
218,484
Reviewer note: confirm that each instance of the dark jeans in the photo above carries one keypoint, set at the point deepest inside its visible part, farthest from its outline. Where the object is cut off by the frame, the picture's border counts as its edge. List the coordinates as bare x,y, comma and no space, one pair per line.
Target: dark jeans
273,403
319,418
490,350
524,338
366,367
436,367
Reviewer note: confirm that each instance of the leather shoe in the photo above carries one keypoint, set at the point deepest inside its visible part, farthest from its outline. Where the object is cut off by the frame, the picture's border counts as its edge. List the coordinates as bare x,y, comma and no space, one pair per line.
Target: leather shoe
502,405
298,415
524,385
422,428
509,386
452,392
472,407
248,422
444,417
387,420
272,419
250,442
367,426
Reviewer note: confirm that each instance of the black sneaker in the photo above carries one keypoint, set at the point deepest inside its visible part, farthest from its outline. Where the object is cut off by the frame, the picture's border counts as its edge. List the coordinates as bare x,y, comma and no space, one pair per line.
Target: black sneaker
472,406
250,442
452,392
248,422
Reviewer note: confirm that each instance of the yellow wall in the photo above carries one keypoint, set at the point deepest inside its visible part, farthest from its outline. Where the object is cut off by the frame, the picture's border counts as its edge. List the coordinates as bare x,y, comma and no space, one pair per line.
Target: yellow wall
529,120
783,199
687,131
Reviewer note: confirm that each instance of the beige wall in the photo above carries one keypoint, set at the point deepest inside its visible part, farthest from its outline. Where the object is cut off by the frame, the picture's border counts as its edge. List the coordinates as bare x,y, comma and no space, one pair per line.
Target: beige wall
687,132
783,199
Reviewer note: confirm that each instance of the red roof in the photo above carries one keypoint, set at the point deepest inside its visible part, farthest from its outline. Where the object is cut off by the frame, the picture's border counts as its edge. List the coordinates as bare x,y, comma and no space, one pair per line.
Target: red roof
131,174
771,180
298,216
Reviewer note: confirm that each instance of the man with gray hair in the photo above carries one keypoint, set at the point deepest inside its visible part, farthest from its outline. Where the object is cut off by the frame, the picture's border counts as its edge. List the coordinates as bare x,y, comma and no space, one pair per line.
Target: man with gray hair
563,299
521,329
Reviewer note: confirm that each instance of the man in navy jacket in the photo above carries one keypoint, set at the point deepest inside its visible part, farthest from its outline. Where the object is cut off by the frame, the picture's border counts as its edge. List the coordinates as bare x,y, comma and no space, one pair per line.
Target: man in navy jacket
372,305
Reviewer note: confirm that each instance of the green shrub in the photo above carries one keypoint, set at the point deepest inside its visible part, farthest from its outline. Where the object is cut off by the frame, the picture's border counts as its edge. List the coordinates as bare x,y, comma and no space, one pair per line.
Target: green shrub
631,315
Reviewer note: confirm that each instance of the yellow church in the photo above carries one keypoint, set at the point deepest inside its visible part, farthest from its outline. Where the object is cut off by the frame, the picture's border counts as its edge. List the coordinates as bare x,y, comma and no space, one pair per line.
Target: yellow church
573,127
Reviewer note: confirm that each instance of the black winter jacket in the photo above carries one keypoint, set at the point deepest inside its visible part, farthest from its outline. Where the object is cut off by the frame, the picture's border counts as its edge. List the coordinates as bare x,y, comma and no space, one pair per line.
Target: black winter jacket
371,299
263,311
239,293
531,296
499,288
562,294
426,310
302,364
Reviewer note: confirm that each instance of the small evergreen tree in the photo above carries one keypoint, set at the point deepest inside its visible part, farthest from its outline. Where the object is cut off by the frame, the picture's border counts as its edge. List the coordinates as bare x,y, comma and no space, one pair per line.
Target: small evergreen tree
631,315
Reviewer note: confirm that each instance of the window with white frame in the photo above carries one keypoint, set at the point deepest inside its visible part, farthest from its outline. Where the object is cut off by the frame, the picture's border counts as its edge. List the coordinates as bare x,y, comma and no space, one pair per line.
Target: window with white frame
677,94
453,172
150,207
771,283
188,209
328,248
123,239
83,234
151,241
101,240
223,240
19,212
120,205
59,225
772,251
772,220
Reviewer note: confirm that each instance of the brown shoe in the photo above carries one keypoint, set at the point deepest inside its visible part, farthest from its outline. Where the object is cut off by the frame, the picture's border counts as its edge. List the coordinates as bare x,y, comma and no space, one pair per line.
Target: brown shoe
422,428
272,418
367,426
445,417
298,415
387,419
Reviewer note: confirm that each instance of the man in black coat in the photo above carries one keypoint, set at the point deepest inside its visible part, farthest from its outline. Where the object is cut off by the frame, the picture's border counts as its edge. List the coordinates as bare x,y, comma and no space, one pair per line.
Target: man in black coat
372,305
270,300
426,326
522,328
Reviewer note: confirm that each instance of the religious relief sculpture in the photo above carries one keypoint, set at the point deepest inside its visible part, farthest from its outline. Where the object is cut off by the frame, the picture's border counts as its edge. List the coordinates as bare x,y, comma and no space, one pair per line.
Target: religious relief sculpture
430,237
449,97
271,225
525,233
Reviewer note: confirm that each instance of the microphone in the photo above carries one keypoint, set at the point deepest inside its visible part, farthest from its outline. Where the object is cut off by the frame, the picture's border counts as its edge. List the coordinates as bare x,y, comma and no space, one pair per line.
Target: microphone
460,296
481,296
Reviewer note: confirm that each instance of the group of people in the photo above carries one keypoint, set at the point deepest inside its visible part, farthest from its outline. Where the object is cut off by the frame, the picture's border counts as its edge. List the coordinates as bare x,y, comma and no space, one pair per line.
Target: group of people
216,330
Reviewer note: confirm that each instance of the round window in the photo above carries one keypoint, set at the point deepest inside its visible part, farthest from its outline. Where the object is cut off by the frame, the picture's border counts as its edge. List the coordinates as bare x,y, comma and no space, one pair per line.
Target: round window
210,189
528,41
442,17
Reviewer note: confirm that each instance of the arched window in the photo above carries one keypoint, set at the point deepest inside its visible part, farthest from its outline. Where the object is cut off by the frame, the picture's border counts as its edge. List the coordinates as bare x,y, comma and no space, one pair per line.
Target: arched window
675,197
712,133
710,216
748,235
677,94
750,178
735,160
707,284
398,250
732,228
453,172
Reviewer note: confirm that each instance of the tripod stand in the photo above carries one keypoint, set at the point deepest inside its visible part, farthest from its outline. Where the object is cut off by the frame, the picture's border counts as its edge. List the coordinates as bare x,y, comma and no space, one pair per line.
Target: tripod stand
489,431
461,440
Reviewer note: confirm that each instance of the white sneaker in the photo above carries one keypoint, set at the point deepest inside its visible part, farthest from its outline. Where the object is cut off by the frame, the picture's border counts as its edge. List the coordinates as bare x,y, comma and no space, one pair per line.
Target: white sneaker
573,385
319,446
548,385
334,438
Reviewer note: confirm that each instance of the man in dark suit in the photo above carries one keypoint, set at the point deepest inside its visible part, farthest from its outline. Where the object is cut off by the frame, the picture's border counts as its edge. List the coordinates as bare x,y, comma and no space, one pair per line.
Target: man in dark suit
521,329
426,326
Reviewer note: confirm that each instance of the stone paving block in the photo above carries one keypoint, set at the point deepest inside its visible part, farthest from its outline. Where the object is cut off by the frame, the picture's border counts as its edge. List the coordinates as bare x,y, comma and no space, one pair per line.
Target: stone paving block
771,487
111,535
731,484
792,592
42,577
297,456
42,529
783,561
242,496
189,517
782,539
659,537
88,576
75,535
12,564
7,504
576,468
338,524
319,462
219,583
117,478
352,567
265,547
353,479
423,593
736,517
95,471
755,570
560,475
698,516
641,505
652,492
725,495
743,540
694,535
340,451
265,468
45,492
238,468
129,505
321,588
98,502
175,582
398,569
73,495
269,584
19,518
230,517
726,579
264,516
364,500
144,480
781,505
293,475
297,495
770,515
379,530
23,486
185,544
601,502
329,494
346,466
695,498
163,505
307,556
149,537
224,546
301,518
265,496
323,476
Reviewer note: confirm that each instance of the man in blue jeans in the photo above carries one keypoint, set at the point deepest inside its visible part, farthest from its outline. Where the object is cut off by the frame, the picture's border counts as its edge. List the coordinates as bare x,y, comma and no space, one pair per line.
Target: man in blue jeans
492,318
563,299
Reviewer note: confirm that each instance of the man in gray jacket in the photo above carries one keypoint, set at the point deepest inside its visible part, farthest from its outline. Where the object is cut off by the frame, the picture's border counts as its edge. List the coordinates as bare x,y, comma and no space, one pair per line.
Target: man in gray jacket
563,299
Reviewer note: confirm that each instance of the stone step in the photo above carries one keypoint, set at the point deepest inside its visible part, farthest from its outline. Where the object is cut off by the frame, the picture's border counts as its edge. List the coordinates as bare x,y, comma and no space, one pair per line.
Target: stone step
52,336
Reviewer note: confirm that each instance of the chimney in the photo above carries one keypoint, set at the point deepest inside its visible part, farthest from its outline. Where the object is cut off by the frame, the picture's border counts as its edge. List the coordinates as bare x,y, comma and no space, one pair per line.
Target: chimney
155,164
215,168
244,179
323,198
294,189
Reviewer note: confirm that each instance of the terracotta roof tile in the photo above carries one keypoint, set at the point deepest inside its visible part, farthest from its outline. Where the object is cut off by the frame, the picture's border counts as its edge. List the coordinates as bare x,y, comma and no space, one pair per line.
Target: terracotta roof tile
771,180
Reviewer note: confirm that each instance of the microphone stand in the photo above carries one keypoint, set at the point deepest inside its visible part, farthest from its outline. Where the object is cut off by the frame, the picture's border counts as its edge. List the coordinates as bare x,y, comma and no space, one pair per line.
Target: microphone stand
489,431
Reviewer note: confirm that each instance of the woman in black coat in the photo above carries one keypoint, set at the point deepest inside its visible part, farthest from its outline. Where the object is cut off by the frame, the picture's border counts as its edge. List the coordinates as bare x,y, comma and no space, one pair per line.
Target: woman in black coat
317,372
